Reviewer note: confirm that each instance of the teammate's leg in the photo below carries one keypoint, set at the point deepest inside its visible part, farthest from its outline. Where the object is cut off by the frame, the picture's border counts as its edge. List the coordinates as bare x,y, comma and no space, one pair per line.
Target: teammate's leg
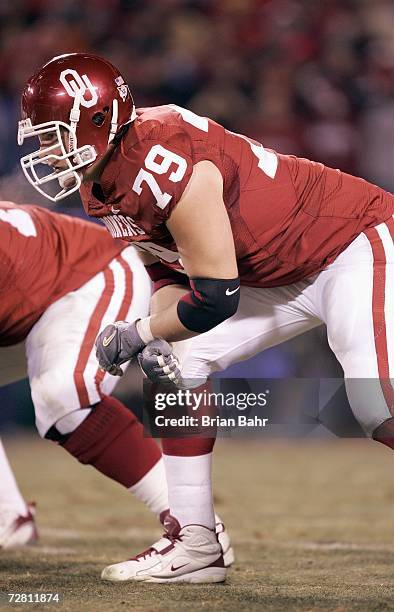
17,526
9,490
17,523
111,440
72,396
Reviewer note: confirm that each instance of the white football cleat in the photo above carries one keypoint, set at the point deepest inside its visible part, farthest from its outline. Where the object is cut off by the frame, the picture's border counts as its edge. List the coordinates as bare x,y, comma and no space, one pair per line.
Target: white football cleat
171,525
17,529
193,555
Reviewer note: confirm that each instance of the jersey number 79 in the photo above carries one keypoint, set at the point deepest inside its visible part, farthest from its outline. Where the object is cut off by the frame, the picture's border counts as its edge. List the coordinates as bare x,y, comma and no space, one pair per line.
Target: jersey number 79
160,160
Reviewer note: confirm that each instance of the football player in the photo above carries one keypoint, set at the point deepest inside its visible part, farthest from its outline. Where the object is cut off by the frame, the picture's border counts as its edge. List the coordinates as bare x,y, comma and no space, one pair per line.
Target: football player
62,280
246,248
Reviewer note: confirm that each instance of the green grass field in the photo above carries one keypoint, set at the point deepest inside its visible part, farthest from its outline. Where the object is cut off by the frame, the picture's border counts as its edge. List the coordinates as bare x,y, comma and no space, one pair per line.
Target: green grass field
312,525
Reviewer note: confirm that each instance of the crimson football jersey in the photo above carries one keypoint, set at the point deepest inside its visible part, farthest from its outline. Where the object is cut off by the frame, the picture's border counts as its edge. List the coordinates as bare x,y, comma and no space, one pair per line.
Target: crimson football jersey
290,217
43,256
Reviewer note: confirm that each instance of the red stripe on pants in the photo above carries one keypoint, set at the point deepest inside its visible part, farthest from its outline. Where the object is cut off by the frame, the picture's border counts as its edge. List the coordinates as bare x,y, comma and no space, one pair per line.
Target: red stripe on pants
379,319
90,336
123,310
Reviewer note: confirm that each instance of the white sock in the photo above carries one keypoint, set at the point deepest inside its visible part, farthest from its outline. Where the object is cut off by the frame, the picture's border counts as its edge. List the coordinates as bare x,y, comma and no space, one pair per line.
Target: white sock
152,488
9,491
190,489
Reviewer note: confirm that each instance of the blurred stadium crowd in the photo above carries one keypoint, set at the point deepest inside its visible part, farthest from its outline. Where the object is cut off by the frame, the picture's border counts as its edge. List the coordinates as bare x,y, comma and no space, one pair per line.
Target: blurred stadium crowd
313,78
307,77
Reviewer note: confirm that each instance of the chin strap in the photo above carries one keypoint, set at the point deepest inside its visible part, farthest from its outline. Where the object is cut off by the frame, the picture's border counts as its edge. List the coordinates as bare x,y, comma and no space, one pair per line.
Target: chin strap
133,115
116,135
114,121
120,133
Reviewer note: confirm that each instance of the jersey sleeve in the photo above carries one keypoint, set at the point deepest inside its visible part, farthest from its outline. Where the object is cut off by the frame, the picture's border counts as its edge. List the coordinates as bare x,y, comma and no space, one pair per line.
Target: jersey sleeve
162,164
7,272
17,230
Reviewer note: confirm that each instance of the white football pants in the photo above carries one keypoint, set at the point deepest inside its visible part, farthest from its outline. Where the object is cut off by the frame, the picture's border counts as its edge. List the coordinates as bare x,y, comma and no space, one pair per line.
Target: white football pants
354,297
61,361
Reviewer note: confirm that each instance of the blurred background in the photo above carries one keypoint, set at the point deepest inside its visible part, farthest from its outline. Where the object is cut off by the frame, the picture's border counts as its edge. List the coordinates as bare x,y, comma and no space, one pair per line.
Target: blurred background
314,79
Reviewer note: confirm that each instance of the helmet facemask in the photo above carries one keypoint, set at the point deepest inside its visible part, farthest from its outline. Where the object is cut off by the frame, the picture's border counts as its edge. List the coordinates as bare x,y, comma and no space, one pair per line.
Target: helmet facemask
75,157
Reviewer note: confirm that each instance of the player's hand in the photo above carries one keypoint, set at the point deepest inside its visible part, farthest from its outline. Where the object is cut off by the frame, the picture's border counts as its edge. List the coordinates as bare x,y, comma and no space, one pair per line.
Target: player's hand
159,363
116,344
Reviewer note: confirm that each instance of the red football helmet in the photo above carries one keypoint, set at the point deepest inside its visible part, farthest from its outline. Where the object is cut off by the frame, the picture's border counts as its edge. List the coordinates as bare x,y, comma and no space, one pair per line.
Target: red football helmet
79,101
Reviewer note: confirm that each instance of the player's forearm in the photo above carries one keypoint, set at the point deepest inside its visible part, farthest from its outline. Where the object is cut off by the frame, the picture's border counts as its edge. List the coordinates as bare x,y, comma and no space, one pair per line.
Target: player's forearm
166,296
166,324
178,314
164,321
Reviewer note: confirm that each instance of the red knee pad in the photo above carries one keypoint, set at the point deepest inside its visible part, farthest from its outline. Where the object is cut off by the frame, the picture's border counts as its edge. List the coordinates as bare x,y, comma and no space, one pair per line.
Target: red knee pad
385,433
112,440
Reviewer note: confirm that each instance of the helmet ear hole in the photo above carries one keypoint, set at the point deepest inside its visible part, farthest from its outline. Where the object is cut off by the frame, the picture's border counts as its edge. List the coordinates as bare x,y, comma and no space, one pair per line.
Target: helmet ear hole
99,117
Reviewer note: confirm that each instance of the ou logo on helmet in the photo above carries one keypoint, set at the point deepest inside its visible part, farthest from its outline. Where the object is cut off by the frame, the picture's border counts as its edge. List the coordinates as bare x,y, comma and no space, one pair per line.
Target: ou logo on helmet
74,83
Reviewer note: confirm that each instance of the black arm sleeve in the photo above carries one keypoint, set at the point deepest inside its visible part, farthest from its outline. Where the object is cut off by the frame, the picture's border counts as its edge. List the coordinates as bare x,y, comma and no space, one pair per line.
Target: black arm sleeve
211,301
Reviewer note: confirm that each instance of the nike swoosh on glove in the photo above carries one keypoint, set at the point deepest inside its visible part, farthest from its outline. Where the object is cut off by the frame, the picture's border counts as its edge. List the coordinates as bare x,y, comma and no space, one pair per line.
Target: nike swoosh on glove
117,343
159,363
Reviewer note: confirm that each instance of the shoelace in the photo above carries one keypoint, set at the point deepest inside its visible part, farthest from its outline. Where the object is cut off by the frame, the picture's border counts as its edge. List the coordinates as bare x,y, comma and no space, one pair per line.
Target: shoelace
152,550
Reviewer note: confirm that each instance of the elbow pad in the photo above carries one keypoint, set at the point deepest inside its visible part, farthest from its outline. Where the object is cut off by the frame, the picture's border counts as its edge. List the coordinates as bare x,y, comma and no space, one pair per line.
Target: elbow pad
211,301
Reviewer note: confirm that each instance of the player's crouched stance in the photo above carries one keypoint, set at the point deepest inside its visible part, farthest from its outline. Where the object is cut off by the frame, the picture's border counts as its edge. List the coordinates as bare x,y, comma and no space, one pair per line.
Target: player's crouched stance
270,246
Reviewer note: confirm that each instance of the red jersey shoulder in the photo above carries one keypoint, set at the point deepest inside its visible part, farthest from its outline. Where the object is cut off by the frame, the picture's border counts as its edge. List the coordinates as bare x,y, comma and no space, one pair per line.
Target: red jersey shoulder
43,256
17,219
19,231
148,174
41,237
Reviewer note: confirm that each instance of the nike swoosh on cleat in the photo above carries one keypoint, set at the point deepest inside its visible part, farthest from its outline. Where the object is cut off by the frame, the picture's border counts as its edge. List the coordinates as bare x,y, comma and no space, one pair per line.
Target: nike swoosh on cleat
108,339
228,292
174,569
